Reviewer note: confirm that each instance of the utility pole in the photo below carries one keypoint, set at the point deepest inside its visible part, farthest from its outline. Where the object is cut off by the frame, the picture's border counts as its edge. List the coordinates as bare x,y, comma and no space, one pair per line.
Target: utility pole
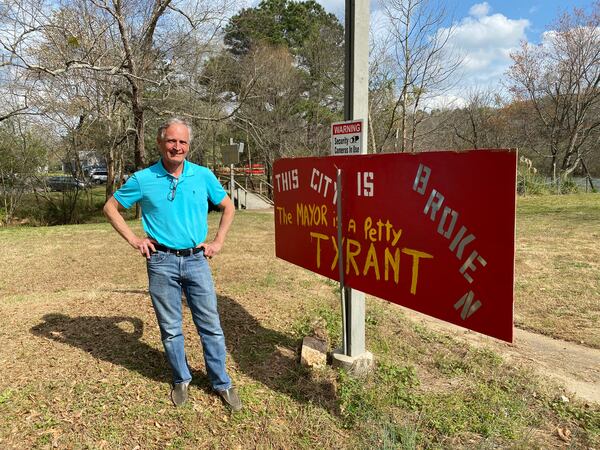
354,356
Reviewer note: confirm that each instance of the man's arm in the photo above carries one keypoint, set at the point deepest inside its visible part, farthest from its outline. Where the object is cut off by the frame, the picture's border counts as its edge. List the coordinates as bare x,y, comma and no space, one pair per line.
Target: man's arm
227,213
111,210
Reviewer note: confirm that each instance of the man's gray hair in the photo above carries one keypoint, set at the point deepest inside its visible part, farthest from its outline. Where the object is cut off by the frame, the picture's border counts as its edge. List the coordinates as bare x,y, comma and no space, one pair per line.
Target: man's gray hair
172,121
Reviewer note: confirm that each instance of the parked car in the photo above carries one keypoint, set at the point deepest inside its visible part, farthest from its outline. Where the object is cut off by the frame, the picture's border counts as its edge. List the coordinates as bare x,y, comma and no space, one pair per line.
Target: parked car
64,183
98,176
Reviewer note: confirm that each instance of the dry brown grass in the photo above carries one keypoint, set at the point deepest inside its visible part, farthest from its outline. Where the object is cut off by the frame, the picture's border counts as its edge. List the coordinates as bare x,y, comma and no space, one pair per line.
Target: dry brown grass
83,365
558,267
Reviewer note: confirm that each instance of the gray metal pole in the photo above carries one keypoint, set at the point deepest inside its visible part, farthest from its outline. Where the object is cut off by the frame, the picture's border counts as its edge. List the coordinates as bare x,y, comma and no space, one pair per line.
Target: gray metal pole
356,106
232,184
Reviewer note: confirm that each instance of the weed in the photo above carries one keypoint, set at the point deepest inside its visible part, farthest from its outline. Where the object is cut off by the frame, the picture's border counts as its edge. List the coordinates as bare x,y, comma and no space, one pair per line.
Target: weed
389,435
399,383
270,280
374,315
589,418
5,395
475,361
320,316
450,365
357,401
482,408
45,422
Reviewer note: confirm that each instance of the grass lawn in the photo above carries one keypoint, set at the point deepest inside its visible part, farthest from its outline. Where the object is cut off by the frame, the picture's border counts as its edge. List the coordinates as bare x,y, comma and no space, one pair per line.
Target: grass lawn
83,365
558,266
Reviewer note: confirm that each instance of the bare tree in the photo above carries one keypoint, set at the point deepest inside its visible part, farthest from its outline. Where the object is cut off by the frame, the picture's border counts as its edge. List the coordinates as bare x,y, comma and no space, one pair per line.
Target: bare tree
132,41
22,155
560,78
476,125
382,92
271,115
423,61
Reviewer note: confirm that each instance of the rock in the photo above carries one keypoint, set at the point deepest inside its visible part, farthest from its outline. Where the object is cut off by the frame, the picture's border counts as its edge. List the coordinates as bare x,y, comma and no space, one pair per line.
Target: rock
564,399
314,352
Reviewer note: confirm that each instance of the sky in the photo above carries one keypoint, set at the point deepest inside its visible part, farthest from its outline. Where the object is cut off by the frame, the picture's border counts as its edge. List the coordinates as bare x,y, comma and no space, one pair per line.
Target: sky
486,33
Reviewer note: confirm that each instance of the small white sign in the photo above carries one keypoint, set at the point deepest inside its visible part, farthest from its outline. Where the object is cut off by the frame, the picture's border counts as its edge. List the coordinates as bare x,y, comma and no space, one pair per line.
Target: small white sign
347,137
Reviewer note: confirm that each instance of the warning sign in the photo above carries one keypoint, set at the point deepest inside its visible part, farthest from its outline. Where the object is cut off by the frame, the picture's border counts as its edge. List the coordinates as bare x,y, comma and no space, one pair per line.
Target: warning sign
347,137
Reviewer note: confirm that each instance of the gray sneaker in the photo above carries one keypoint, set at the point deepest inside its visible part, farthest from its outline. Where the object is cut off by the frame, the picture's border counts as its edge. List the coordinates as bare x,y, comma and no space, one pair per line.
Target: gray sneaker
179,393
231,398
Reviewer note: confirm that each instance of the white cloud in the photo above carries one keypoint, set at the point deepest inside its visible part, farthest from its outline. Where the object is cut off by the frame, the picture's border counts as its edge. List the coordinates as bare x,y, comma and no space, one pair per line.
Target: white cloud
480,9
446,101
485,42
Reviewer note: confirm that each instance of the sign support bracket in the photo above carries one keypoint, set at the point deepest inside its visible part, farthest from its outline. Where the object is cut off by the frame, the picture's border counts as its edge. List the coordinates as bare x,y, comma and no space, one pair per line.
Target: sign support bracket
340,239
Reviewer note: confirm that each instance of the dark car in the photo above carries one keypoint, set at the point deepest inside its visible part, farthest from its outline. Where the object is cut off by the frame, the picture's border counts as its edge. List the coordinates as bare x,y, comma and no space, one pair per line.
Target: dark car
64,183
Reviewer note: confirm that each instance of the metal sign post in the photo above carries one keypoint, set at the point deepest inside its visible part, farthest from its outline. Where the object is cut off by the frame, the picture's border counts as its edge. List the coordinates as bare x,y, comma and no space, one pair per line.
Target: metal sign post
356,106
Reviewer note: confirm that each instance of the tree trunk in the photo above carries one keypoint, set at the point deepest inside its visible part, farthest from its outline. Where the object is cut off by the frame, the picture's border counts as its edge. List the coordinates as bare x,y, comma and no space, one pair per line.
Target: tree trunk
139,146
372,134
110,172
588,176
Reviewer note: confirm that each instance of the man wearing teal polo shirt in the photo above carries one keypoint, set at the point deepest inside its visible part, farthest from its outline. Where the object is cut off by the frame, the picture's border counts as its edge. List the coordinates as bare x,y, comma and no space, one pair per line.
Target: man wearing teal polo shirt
173,195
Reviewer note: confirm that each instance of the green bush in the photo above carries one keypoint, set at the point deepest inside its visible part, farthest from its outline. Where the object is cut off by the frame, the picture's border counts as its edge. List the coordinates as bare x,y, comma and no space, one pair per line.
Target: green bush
568,186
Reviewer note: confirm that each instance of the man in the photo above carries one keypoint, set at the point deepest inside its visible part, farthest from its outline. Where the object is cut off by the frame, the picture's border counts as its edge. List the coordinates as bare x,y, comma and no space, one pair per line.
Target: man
173,194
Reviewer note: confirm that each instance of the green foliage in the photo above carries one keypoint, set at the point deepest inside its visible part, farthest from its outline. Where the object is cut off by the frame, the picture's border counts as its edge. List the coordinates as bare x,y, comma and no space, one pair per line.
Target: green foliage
485,408
66,207
371,398
399,384
357,400
568,186
394,436
278,23
5,395
473,362
324,316
589,418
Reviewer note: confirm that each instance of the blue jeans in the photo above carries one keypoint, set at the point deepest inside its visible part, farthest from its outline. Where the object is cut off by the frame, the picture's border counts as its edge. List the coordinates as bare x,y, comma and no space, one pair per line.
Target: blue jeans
168,276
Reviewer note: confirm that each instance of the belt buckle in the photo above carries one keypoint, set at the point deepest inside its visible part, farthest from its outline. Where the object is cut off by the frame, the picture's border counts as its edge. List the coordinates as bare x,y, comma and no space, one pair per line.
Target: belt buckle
178,253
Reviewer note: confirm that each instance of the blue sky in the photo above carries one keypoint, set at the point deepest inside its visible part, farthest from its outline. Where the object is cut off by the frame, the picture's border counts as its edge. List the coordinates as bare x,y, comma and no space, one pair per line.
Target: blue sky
485,35
539,13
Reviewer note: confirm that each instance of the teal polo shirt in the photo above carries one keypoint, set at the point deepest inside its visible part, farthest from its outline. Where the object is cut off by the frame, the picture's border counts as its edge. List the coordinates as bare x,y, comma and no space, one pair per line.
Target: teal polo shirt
176,221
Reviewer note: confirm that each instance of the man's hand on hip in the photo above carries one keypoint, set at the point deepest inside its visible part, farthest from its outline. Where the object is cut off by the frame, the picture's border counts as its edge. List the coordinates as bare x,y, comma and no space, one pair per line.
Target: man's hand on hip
211,249
144,245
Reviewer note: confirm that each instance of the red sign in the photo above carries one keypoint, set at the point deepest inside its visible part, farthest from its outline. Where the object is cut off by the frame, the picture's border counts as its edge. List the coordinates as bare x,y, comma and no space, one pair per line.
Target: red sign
255,169
347,128
433,232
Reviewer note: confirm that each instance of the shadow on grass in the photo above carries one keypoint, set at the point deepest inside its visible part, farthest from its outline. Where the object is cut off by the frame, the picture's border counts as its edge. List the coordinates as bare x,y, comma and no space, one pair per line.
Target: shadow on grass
271,358
268,356
103,338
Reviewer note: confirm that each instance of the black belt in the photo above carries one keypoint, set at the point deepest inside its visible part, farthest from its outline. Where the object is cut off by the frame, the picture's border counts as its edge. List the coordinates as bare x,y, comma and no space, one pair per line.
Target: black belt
183,252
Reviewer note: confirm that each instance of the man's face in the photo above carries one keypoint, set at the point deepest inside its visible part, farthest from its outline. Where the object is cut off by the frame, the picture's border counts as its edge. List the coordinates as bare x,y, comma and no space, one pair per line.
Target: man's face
176,144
